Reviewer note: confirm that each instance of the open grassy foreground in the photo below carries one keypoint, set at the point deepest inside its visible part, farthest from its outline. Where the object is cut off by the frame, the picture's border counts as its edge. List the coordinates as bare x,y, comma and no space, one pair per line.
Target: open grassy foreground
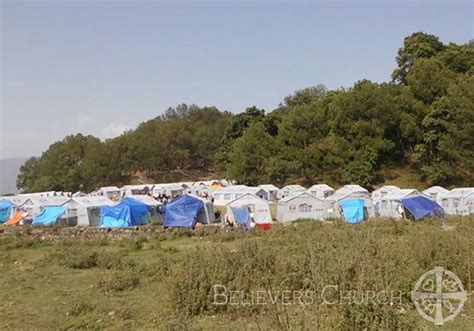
157,280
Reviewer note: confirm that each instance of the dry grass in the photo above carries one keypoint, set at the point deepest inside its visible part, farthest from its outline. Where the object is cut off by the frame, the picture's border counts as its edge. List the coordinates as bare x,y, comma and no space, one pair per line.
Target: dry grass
166,281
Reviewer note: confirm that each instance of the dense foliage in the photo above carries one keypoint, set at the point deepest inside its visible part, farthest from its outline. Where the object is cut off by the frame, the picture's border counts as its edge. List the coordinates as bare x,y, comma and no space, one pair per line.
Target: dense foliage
422,121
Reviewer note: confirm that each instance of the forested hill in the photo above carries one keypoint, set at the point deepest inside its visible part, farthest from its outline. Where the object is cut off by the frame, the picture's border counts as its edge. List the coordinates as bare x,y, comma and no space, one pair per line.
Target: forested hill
422,121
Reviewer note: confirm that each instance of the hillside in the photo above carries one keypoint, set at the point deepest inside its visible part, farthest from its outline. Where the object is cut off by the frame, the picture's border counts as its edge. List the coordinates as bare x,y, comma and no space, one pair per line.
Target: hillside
412,128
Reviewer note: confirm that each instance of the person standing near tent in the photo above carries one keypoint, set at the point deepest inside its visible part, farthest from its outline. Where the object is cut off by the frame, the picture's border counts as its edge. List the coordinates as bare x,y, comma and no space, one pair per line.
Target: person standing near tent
401,211
252,219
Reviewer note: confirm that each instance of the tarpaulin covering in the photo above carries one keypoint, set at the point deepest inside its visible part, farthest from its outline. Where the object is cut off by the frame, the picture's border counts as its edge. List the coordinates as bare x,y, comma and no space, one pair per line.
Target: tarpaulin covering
49,215
115,217
139,212
182,212
421,207
242,217
353,210
5,210
17,218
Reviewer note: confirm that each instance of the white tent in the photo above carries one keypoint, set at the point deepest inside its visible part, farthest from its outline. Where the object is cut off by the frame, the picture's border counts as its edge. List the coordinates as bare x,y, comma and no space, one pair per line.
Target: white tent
321,191
257,206
436,193
128,190
206,215
84,211
349,189
170,189
456,202
270,192
467,204
110,192
380,193
389,203
79,194
383,191
226,194
290,190
303,205
334,203
36,203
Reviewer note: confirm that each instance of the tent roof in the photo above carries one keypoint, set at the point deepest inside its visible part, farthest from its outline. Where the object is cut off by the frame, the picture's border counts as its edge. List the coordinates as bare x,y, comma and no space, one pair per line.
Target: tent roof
140,187
352,188
400,194
146,199
321,187
436,189
233,189
247,195
268,187
387,188
298,195
16,200
50,201
93,201
342,195
109,188
459,192
293,188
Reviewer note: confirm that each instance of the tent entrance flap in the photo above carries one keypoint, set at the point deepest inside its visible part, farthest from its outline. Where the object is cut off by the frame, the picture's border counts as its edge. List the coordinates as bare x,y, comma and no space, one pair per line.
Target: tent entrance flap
241,216
17,218
49,215
353,210
115,217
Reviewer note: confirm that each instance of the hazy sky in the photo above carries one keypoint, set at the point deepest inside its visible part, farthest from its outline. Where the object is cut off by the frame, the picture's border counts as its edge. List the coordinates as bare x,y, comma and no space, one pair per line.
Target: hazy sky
100,67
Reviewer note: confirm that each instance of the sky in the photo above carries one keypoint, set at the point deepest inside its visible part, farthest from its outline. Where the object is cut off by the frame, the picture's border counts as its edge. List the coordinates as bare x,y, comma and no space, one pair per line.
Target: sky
102,67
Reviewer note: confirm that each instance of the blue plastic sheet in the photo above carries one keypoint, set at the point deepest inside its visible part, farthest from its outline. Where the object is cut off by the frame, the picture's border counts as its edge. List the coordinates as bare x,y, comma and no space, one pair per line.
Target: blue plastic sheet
242,217
182,212
115,217
5,210
421,207
49,215
139,212
353,210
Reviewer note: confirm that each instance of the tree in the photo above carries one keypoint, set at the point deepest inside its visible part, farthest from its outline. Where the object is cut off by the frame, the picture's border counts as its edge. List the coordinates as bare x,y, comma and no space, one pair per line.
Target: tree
250,155
416,46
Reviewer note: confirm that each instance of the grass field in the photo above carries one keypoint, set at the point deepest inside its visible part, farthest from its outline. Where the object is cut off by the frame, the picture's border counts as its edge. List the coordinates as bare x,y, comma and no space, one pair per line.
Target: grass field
165,280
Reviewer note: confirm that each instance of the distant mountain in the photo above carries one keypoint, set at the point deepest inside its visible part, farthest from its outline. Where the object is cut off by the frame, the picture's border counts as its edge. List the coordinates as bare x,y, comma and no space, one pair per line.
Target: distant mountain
9,169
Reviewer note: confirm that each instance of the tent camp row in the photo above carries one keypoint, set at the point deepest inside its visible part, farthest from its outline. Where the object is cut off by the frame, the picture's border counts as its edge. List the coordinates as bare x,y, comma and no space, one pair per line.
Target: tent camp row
351,202
79,210
169,189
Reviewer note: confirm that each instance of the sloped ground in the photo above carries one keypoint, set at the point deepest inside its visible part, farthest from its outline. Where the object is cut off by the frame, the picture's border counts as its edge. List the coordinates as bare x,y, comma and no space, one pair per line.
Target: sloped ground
67,279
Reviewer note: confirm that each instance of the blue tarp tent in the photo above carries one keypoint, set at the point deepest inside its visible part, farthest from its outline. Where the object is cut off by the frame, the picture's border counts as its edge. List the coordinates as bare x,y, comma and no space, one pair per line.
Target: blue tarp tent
421,207
139,212
182,212
5,210
242,217
49,215
353,210
115,217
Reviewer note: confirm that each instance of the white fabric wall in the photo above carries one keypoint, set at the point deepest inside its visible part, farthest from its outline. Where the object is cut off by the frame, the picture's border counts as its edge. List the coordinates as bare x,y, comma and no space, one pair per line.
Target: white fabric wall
288,211
261,208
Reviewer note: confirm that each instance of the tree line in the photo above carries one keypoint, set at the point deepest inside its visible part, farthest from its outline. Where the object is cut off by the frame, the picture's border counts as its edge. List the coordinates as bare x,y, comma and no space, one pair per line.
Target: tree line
422,121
